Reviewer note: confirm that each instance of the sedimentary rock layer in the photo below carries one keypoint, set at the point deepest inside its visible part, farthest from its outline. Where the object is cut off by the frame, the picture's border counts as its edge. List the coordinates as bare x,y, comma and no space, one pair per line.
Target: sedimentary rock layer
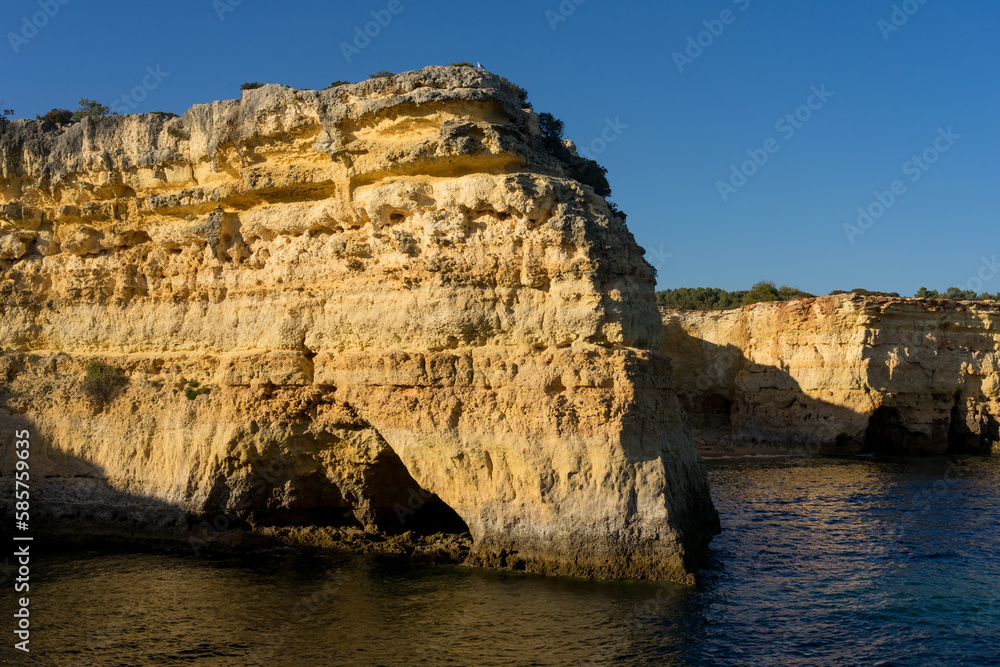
381,305
841,374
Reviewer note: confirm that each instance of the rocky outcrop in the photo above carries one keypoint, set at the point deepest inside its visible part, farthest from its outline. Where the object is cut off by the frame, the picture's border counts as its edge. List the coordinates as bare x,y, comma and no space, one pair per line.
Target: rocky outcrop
841,374
380,307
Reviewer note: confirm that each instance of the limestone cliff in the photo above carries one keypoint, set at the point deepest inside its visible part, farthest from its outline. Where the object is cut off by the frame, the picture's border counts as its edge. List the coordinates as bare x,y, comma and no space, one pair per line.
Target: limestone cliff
380,306
841,374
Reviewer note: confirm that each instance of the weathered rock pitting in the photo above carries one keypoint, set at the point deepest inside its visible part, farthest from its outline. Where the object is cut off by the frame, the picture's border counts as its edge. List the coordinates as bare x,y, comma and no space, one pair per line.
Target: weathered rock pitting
405,315
841,375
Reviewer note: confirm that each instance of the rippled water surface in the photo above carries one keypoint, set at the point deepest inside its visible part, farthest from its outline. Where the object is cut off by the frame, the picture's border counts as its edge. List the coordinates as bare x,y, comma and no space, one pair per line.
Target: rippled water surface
822,562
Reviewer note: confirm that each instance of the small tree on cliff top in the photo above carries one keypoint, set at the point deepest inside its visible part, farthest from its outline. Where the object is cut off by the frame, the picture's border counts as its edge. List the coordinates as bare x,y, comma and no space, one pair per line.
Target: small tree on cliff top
57,116
552,134
521,93
90,108
581,169
762,291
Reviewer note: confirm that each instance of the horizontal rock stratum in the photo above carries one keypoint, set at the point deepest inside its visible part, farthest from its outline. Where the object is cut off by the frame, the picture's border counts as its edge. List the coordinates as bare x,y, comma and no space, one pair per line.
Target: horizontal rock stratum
381,307
841,375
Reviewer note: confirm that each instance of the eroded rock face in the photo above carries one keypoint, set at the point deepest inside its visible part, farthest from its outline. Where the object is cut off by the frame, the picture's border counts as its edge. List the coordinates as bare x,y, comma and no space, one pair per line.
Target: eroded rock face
841,374
401,308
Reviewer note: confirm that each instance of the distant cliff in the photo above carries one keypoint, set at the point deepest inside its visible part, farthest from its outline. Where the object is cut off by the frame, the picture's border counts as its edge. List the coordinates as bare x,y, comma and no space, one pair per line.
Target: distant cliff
372,310
841,374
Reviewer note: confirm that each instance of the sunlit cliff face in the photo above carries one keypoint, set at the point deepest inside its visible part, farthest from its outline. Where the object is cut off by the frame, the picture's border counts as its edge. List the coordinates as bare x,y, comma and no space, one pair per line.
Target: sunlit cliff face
385,286
841,374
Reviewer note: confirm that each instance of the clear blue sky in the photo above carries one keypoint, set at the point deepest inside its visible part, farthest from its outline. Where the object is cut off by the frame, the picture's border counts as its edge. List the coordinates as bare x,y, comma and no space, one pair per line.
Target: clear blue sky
892,91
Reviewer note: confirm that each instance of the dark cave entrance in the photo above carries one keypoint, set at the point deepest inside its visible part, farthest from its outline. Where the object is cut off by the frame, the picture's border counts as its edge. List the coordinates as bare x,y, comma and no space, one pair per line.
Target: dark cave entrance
962,439
887,434
423,513
708,412
320,503
398,504
351,478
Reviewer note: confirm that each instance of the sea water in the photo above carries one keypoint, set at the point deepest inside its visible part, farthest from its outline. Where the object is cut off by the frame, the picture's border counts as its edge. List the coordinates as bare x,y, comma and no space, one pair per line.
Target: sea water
821,562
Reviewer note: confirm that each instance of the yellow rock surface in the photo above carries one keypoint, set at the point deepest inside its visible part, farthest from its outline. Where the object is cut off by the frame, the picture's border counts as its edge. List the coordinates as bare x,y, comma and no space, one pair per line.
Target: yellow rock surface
401,309
840,374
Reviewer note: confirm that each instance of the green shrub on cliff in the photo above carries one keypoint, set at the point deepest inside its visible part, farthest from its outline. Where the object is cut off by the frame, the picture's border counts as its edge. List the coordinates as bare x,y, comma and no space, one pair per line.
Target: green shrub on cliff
103,381
699,298
580,169
863,292
251,85
760,292
521,93
552,134
617,211
590,173
788,293
90,108
57,117
713,298
87,108
956,294
192,389
766,291
195,393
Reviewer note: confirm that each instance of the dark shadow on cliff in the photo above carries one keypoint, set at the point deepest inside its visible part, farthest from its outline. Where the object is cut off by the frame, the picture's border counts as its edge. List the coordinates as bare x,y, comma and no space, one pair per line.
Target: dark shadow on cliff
736,404
71,500
954,406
